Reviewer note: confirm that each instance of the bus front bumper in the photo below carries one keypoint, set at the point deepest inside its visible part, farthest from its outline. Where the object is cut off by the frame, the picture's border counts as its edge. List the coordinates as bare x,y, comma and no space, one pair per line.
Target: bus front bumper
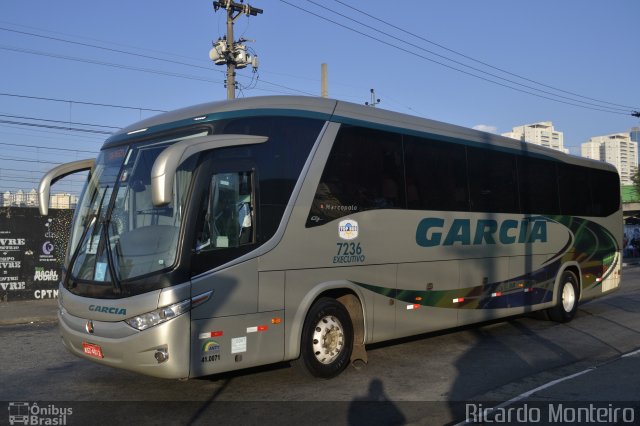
159,351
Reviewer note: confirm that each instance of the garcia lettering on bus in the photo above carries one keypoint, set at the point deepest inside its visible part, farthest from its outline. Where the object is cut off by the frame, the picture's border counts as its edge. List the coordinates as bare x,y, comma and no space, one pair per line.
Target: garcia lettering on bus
466,232
108,309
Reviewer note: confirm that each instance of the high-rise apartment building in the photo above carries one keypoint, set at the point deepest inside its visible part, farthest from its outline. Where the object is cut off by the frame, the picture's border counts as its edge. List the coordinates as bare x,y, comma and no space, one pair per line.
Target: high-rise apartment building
541,133
617,149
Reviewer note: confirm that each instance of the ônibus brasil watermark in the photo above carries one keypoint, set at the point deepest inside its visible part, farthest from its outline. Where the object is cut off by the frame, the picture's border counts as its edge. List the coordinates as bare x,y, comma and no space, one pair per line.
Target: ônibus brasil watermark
26,413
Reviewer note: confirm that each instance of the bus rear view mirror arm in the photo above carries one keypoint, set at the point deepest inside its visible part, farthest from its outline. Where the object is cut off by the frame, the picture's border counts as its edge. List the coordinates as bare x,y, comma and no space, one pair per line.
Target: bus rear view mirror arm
55,174
165,167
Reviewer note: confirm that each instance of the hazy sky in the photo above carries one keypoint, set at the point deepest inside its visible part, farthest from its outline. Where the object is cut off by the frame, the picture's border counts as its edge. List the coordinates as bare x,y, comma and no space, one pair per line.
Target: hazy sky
584,55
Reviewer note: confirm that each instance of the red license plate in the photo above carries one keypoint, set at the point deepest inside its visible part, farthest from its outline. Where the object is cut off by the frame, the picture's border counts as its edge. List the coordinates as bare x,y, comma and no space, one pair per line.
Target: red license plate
92,350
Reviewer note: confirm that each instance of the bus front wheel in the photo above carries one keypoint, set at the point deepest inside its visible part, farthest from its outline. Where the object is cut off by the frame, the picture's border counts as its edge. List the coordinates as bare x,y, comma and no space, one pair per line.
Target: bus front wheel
567,299
327,339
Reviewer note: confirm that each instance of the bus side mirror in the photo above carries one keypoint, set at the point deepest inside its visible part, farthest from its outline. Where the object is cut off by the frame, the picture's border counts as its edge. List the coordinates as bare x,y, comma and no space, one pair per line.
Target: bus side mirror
164,168
54,175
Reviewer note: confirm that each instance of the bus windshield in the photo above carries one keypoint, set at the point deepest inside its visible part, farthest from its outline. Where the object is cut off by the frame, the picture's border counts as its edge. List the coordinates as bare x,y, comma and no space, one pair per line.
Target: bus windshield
118,231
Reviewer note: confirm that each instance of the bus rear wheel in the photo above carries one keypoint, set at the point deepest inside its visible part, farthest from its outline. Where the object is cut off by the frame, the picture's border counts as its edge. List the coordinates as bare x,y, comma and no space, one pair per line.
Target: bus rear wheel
327,339
567,299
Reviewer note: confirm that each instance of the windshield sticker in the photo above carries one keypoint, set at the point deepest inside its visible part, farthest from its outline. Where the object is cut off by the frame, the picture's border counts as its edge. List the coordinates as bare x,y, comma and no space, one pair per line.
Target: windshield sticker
348,229
101,271
211,351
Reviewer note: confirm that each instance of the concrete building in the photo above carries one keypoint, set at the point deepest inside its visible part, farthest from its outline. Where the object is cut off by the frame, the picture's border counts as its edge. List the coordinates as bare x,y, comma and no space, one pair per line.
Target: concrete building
30,199
634,133
19,199
63,201
541,133
617,149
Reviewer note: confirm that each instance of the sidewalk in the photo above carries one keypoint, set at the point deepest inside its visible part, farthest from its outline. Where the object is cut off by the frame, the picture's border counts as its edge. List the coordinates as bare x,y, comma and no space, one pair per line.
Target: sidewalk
28,311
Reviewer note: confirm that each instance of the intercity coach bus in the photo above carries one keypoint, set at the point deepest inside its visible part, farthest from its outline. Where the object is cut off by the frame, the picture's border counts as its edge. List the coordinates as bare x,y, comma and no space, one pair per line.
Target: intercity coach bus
239,233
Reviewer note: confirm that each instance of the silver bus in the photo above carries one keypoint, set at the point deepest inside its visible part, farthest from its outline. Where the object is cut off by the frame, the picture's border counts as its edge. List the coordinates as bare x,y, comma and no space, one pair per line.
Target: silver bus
239,233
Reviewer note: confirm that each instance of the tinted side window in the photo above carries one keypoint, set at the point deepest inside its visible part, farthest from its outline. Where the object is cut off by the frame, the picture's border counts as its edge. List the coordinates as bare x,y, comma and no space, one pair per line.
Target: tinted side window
575,196
492,181
279,161
538,183
605,192
436,174
364,171
281,158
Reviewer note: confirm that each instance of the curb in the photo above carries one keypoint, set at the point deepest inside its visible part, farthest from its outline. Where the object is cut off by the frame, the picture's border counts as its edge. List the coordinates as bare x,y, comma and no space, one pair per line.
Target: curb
28,311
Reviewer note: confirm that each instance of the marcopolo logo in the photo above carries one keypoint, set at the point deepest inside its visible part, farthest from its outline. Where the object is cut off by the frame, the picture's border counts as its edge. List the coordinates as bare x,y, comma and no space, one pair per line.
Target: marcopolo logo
26,413
432,232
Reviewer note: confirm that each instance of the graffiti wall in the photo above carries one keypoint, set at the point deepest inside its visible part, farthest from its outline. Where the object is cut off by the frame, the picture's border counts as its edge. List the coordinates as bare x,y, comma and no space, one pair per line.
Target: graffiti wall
32,250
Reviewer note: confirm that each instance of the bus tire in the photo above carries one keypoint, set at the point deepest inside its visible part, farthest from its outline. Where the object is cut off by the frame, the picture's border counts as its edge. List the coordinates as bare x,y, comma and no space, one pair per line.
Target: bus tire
567,299
327,339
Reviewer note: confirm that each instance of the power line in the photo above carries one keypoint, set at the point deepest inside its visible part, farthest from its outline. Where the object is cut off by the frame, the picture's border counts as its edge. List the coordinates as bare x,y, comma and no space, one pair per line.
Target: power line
449,66
101,41
47,126
24,160
208,68
84,138
19,170
107,64
161,59
613,109
15,95
140,69
59,121
109,49
33,179
45,147
476,60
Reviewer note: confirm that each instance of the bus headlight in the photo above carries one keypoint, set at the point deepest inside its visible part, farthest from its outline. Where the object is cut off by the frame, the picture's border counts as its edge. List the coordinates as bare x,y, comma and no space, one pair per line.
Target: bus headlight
150,319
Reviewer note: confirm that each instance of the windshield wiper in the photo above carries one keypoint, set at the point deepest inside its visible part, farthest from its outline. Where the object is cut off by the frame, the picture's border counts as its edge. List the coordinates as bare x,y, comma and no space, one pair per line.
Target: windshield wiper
91,219
117,288
76,252
89,222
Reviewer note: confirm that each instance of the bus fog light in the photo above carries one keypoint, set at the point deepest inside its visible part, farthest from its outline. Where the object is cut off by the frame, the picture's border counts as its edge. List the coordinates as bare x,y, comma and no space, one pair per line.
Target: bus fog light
161,355
150,319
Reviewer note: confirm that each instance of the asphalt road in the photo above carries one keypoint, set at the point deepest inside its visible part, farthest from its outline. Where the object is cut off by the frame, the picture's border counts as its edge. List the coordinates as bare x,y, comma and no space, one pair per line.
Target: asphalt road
424,380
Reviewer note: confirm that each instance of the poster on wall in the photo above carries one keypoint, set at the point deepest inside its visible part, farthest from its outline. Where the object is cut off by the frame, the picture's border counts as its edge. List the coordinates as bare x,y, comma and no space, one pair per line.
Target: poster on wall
32,251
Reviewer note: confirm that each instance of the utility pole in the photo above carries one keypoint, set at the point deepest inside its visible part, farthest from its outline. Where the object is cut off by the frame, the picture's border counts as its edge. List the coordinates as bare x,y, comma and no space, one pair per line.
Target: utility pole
374,101
226,50
324,85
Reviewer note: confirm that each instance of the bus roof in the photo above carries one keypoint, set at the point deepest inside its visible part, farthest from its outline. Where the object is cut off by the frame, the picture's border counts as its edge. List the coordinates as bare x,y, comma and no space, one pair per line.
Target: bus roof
342,112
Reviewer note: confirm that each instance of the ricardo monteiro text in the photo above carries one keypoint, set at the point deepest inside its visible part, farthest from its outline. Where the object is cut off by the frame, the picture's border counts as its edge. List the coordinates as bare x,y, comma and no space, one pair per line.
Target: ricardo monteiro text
554,413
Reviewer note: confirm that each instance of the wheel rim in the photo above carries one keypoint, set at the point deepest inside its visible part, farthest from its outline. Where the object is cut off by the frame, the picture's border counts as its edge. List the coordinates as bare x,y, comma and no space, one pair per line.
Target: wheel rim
568,297
328,339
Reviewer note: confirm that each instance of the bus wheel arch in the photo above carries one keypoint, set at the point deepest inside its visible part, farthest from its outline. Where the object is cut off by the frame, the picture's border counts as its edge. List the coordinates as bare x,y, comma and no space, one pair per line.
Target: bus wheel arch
338,309
567,295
